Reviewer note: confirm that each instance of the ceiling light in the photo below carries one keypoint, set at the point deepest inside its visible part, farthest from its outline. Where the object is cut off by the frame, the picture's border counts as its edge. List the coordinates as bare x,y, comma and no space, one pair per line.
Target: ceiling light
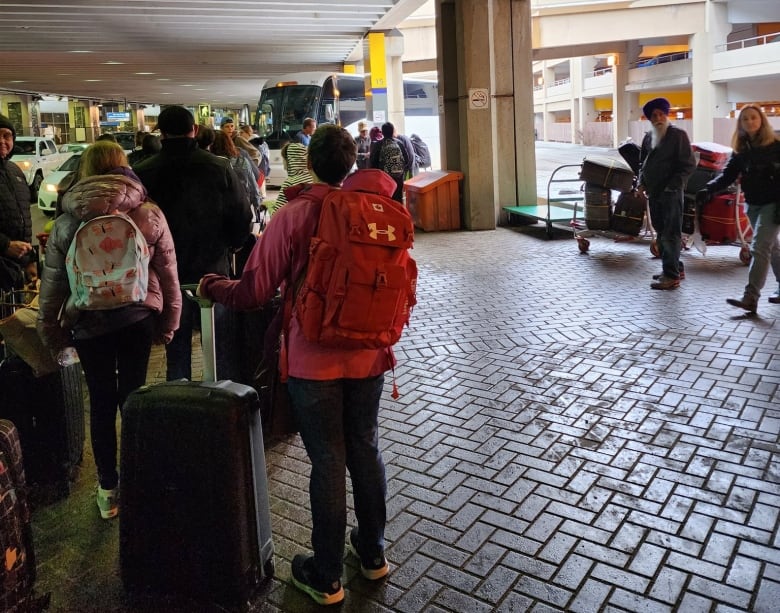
144,73
113,63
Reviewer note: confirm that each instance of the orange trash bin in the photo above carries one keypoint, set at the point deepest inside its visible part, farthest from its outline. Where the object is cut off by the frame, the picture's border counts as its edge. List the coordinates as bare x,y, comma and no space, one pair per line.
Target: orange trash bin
433,199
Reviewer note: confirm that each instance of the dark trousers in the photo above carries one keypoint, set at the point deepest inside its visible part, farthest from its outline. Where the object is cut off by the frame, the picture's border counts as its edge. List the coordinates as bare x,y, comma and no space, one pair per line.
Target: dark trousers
666,211
114,365
178,352
338,422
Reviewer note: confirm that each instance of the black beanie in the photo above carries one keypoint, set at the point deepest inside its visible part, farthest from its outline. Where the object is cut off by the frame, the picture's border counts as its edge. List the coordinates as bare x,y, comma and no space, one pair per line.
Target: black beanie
6,123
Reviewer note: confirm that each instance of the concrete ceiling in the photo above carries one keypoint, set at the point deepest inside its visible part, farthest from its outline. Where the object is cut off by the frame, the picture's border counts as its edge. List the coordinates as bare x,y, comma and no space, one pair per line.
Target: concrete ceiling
180,51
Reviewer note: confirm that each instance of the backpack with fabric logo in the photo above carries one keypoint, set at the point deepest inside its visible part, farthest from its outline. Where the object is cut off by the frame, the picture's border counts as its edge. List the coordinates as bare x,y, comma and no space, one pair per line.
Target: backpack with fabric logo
360,282
391,158
108,263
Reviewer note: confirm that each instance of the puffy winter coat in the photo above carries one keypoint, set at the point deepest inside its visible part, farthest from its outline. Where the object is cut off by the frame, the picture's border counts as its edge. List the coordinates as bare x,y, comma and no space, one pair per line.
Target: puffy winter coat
90,197
15,221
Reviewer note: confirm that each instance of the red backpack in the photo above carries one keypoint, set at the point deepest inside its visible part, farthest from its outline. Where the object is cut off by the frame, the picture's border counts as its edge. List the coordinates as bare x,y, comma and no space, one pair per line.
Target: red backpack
360,282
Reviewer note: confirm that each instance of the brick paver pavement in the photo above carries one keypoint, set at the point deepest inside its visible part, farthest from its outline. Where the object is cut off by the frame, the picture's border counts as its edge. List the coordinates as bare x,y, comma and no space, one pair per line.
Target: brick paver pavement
567,439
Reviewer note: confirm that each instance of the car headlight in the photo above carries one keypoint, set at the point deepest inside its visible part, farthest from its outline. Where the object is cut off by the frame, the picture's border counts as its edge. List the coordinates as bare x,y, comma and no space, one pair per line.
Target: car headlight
25,164
50,187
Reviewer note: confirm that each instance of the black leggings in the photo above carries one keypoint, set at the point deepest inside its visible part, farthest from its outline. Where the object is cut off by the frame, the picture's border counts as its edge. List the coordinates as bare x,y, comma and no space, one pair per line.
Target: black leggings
114,365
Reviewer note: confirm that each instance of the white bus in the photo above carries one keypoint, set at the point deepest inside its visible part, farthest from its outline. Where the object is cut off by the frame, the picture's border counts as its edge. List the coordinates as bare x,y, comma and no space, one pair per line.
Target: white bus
337,98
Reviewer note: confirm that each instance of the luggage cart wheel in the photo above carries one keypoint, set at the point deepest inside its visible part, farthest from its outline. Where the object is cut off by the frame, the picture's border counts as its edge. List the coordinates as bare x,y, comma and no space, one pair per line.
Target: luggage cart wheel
583,244
268,568
744,255
654,248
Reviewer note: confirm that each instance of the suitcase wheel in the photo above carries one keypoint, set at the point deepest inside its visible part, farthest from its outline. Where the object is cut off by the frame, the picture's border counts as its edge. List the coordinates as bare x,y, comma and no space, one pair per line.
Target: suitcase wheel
744,255
583,244
268,568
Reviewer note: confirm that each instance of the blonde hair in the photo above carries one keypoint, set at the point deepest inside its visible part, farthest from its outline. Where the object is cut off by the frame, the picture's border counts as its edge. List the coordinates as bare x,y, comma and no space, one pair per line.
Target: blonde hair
101,157
740,141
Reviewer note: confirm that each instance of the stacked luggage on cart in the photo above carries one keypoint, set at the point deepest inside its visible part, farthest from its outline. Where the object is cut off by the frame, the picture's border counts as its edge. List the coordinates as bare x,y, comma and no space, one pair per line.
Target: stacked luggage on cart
602,175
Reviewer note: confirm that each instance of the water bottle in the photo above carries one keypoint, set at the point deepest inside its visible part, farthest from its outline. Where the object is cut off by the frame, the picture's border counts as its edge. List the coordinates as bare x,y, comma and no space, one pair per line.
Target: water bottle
67,357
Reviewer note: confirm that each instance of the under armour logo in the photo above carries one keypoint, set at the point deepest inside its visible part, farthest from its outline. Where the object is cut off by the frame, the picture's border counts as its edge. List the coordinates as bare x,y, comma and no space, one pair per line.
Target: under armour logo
378,207
374,233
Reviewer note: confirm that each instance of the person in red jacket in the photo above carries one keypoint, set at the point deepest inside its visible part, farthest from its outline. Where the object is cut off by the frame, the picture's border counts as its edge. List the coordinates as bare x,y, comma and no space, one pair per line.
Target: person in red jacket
334,392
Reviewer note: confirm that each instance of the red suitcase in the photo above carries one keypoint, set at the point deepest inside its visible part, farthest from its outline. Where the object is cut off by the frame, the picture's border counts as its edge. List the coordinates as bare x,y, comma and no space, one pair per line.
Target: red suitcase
718,219
712,155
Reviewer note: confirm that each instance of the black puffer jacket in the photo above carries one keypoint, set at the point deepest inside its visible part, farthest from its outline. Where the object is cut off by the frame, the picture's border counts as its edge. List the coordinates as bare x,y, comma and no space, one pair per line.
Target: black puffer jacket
204,202
15,221
759,171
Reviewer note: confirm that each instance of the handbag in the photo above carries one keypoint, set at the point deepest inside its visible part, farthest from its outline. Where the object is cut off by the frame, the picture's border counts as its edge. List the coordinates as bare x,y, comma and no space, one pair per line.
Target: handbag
21,338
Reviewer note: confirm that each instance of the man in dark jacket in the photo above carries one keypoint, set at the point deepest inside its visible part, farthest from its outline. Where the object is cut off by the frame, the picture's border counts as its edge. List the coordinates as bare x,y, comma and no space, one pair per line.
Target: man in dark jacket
666,161
208,212
16,250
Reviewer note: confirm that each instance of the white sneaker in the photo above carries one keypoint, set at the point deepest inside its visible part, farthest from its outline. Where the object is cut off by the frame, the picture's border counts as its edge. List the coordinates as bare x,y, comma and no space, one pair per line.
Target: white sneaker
108,502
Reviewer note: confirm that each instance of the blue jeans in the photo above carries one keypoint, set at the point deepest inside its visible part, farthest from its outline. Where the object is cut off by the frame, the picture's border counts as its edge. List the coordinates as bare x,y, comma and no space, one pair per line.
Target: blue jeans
765,248
666,216
338,422
178,352
114,365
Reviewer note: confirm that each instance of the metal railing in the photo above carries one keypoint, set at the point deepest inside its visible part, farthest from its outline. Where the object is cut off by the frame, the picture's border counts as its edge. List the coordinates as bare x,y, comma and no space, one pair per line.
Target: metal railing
749,42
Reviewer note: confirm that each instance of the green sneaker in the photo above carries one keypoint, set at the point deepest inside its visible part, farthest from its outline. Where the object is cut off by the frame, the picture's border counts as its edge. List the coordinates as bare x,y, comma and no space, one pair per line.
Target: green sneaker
306,578
108,502
372,568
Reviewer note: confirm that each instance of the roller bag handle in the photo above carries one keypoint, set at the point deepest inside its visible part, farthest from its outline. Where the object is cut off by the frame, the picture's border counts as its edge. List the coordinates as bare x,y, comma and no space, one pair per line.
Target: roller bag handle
207,338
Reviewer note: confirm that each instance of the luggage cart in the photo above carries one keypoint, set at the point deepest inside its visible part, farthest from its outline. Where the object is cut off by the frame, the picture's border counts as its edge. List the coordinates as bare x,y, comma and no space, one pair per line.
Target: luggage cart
563,175
559,210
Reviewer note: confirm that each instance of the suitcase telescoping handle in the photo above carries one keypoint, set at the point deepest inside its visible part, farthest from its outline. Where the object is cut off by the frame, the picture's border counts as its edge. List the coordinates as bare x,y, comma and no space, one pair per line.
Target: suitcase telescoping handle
206,331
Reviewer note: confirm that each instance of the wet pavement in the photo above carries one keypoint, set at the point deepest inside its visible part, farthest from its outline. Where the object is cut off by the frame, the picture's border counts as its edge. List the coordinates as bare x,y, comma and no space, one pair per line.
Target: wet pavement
566,439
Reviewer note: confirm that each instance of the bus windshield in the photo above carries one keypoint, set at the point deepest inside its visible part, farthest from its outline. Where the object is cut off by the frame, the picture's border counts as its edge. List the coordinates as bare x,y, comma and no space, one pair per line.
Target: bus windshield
281,111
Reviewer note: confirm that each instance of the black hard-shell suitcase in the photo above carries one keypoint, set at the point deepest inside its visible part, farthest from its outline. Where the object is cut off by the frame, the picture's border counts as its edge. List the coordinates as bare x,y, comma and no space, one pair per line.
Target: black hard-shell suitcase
195,515
18,572
48,411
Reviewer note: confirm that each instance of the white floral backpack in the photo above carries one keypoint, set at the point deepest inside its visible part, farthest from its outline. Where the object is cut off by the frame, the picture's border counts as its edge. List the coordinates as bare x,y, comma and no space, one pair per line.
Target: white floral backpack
108,263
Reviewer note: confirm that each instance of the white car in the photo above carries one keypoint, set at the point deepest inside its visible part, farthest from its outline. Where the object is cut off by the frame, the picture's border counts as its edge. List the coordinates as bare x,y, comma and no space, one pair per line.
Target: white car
73,147
47,194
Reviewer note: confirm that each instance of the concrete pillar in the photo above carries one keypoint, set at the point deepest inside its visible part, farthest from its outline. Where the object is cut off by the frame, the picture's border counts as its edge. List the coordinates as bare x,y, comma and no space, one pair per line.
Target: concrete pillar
580,109
621,100
484,61
709,99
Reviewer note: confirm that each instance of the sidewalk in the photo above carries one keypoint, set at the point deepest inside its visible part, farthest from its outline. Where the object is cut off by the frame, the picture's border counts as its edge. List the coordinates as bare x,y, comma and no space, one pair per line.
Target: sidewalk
566,439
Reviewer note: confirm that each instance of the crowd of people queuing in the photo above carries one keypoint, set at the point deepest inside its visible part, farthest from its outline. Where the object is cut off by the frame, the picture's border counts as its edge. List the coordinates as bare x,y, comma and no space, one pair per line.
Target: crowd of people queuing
194,192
